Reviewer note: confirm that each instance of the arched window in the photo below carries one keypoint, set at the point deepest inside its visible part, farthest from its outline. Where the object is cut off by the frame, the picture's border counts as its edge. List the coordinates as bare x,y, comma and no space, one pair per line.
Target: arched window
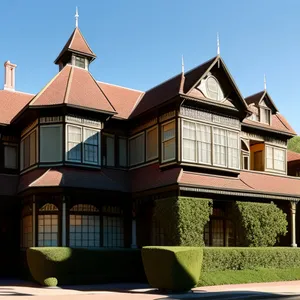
26,227
113,227
48,226
84,226
213,89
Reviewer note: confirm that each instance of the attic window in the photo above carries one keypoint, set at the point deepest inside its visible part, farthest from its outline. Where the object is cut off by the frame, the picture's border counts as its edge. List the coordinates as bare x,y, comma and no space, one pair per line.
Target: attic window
213,89
265,115
80,62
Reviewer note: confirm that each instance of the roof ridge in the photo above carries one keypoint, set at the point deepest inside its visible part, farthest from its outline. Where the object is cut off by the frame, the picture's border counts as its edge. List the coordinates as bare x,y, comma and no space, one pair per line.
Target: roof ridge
139,99
101,90
120,86
261,92
191,70
68,85
278,113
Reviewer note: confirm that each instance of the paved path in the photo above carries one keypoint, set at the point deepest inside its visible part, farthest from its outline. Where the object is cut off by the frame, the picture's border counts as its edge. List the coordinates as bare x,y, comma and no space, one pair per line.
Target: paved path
24,290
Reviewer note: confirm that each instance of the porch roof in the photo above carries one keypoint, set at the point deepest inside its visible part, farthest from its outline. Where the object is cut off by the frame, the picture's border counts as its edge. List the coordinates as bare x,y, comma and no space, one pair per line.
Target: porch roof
248,183
106,179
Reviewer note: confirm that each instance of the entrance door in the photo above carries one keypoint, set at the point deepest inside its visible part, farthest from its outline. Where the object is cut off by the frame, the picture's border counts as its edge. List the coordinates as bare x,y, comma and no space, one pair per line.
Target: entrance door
9,245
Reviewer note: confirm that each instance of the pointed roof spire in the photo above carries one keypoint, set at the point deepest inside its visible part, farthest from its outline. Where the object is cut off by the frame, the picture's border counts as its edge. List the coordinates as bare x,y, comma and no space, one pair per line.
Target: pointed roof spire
265,82
182,64
76,17
218,44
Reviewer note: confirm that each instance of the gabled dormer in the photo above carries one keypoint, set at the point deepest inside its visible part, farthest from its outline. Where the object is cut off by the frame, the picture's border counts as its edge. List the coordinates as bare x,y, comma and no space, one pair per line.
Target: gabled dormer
76,52
262,107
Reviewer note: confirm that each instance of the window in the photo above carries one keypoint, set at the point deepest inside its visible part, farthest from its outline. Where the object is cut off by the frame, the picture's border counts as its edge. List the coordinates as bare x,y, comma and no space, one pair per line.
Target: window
48,226
113,227
83,145
137,149
84,226
220,146
28,150
51,143
122,152
168,141
213,89
74,143
276,158
265,115
246,162
189,141
80,62
109,151
204,143
91,146
152,143
10,156
233,149
26,227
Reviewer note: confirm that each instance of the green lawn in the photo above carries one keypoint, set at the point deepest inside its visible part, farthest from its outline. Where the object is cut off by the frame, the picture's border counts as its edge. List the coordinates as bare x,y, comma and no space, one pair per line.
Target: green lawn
248,276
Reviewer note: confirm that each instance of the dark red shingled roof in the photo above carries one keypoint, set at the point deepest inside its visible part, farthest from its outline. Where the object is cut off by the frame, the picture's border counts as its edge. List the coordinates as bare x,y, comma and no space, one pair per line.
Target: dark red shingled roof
292,156
77,43
11,103
73,86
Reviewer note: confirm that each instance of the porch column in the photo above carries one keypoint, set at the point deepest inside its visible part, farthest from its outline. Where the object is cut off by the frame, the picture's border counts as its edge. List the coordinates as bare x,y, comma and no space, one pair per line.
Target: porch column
33,222
133,234
64,223
293,222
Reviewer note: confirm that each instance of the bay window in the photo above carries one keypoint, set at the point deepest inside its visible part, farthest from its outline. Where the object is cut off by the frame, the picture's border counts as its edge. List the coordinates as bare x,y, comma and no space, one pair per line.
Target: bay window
152,143
83,145
168,141
206,144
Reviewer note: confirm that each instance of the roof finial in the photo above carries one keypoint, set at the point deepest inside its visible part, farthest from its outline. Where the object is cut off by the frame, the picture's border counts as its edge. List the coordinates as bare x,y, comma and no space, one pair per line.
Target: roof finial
265,82
76,17
218,44
182,65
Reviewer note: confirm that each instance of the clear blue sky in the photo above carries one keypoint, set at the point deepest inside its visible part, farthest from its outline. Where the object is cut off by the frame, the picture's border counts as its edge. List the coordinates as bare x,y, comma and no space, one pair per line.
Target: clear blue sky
139,43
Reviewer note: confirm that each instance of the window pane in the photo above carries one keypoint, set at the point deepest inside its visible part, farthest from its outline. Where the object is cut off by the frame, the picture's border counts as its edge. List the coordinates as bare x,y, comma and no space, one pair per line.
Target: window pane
219,146
74,143
91,146
168,141
50,143
151,142
10,157
113,232
110,150
269,153
204,143
47,230
279,159
80,62
136,150
122,152
168,131
32,148
233,150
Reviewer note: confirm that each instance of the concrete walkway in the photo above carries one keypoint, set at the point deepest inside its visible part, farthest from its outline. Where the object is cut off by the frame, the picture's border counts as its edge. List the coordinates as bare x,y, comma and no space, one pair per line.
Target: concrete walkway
27,290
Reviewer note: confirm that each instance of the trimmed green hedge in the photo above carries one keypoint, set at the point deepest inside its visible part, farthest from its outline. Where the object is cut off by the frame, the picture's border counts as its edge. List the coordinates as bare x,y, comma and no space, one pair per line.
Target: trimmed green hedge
172,268
61,265
239,258
183,219
261,224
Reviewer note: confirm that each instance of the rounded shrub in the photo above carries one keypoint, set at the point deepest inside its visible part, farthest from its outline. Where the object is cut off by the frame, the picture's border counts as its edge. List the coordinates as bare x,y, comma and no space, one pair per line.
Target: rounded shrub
172,268
51,281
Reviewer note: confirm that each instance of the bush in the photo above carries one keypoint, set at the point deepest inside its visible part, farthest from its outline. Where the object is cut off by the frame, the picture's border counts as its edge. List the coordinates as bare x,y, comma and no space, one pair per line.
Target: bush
261,224
183,219
172,268
294,144
221,259
62,265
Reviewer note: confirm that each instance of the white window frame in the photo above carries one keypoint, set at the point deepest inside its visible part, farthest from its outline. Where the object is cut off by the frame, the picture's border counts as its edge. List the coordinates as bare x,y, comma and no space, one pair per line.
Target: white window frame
272,147
83,142
67,142
163,141
226,147
129,149
156,155
82,160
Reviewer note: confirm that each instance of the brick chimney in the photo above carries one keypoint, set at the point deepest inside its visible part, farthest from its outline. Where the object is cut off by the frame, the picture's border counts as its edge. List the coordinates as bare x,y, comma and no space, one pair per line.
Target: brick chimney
9,76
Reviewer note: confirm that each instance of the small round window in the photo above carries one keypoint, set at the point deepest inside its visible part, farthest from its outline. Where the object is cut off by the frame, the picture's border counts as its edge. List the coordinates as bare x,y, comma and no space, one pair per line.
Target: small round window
213,89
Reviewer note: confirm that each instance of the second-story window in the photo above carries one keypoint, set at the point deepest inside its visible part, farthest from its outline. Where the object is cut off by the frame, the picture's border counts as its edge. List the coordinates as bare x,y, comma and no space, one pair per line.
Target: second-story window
10,156
122,152
168,141
109,150
82,145
275,158
265,115
137,149
28,150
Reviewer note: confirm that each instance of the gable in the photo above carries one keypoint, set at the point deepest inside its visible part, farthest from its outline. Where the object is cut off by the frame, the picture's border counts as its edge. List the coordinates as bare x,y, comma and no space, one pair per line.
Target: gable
216,85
